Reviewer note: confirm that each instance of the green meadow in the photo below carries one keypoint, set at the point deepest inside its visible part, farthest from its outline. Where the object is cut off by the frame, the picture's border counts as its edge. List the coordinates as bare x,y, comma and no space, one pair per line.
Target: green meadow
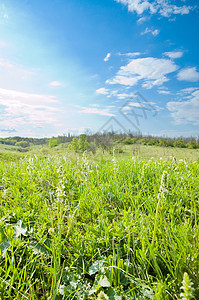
110,225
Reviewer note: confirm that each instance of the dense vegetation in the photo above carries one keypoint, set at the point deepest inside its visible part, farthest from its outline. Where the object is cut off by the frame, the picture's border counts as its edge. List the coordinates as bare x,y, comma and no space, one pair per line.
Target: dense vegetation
103,140
98,226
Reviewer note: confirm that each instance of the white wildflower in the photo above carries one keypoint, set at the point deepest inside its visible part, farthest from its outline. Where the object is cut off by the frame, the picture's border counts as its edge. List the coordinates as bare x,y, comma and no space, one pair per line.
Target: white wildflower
163,190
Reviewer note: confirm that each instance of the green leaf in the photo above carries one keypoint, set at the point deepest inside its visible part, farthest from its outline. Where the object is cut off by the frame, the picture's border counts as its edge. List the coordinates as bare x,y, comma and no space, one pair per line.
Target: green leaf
4,247
113,294
2,234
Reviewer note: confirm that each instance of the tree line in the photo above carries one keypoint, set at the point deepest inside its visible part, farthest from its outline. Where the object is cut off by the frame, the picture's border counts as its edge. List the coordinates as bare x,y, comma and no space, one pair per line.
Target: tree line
105,140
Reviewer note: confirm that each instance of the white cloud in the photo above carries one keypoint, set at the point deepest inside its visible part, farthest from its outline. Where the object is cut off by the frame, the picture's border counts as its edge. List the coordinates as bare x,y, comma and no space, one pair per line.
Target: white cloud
95,110
154,32
164,92
102,91
151,70
123,96
188,90
20,108
187,111
95,105
162,7
188,74
107,57
55,83
138,6
174,54
5,64
123,79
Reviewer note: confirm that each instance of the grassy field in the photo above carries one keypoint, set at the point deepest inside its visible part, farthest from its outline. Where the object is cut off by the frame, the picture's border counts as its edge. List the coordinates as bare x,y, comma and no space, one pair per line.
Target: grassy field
103,226
10,153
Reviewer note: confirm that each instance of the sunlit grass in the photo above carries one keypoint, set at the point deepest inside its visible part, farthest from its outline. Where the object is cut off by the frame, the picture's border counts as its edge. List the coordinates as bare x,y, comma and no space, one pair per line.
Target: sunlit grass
88,227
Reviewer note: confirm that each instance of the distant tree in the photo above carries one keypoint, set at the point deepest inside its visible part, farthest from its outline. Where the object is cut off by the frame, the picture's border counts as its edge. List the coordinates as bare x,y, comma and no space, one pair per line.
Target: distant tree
193,145
179,144
53,142
74,145
79,144
82,143
105,141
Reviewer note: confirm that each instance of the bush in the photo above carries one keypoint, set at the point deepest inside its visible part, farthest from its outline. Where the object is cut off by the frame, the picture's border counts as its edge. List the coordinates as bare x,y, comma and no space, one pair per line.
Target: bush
179,144
129,141
20,149
79,144
53,142
22,144
193,145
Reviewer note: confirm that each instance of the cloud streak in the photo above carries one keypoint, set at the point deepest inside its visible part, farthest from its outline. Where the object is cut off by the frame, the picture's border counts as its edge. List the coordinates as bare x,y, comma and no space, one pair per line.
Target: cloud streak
20,108
5,64
102,91
95,110
107,57
55,83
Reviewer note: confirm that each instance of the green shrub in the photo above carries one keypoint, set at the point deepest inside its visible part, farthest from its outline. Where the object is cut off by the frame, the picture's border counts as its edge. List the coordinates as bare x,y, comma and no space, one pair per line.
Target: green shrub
179,144
23,144
129,141
193,145
53,142
79,144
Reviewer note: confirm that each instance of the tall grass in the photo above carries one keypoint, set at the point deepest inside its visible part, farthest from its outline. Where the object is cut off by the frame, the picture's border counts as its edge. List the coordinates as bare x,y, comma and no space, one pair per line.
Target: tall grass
98,228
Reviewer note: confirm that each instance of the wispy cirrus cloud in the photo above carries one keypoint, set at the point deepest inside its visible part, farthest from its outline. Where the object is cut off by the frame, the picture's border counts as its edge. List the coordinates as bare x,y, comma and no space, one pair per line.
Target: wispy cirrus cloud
55,83
164,8
95,110
187,90
8,130
122,96
164,92
12,72
187,111
130,54
151,71
5,64
20,108
142,20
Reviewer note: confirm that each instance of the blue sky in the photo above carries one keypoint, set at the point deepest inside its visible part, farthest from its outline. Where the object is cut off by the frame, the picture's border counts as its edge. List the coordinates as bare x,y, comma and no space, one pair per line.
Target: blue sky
70,66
